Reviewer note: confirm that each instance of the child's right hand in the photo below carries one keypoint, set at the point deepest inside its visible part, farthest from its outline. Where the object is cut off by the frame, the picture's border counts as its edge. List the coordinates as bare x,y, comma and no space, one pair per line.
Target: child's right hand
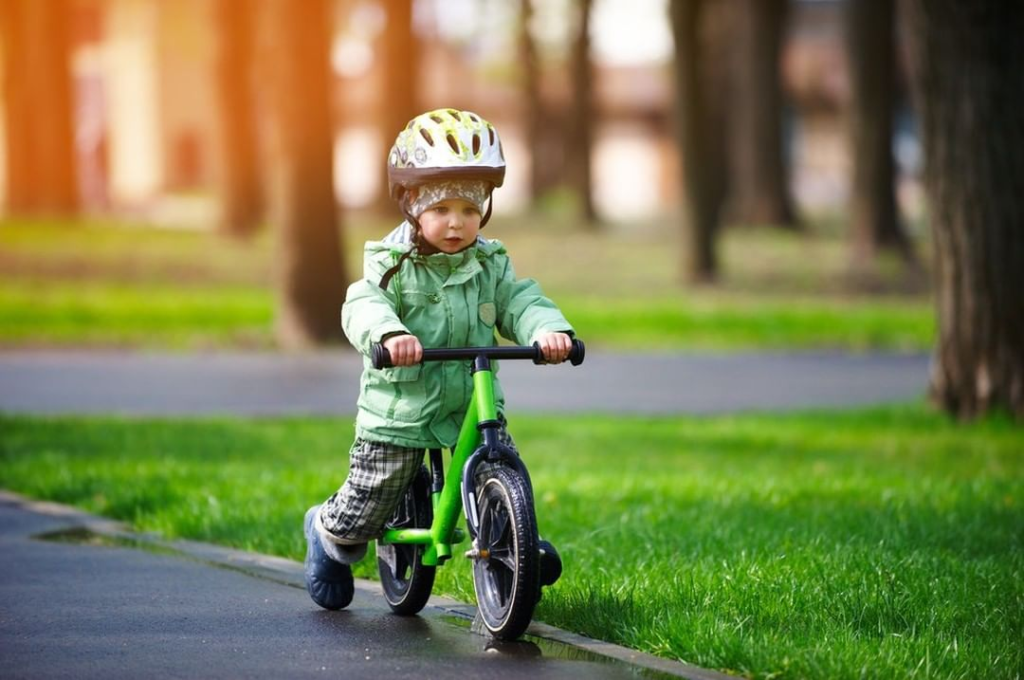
405,350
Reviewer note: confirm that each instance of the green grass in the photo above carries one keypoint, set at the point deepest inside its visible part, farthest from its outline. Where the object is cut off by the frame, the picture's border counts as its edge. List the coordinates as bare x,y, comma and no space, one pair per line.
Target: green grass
96,284
876,543
731,322
100,313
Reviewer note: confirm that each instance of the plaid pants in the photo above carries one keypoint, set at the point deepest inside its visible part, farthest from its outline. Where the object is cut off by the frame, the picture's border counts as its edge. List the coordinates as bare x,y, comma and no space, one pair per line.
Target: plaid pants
378,475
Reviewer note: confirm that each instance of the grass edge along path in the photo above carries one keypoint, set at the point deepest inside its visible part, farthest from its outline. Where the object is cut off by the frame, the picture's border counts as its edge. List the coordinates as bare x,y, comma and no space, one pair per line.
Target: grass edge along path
874,543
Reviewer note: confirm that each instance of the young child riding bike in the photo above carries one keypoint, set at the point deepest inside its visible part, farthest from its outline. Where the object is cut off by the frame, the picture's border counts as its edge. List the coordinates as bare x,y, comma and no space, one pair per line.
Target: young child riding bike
432,282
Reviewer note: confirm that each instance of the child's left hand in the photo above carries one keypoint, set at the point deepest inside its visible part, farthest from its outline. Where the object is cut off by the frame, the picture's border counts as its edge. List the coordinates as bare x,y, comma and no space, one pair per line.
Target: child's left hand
555,346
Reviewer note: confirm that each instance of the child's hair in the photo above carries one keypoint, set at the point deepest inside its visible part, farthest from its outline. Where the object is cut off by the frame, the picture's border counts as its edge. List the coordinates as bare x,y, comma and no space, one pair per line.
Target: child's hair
441,146
424,196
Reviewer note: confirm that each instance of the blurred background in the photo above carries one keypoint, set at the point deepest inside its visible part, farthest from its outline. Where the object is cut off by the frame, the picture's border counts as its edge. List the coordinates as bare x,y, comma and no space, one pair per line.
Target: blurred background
743,147
162,93
684,177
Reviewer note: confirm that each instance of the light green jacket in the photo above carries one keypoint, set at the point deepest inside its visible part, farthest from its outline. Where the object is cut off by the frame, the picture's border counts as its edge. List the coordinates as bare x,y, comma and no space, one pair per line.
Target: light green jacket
446,300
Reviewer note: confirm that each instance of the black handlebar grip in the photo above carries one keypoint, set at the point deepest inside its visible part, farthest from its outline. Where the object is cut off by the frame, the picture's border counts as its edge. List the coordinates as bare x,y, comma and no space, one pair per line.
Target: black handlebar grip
538,355
380,356
577,353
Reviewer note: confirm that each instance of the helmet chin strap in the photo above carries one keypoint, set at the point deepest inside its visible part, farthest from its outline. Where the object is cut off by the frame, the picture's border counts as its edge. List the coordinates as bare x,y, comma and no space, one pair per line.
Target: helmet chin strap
403,203
490,204
411,219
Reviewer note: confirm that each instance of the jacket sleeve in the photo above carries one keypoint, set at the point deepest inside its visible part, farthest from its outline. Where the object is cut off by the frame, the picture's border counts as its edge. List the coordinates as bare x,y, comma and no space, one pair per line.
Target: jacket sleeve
523,310
369,313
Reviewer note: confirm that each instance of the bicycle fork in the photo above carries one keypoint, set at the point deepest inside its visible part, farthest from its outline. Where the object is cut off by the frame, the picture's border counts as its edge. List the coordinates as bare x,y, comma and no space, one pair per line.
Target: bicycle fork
490,449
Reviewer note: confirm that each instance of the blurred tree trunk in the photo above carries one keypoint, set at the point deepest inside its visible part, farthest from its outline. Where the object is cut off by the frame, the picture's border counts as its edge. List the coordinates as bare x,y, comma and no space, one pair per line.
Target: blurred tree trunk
309,275
699,141
241,183
968,79
533,106
39,111
398,50
716,45
760,177
581,129
871,51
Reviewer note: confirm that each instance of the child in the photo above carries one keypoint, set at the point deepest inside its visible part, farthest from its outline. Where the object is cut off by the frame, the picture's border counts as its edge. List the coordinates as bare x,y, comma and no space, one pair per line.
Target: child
433,282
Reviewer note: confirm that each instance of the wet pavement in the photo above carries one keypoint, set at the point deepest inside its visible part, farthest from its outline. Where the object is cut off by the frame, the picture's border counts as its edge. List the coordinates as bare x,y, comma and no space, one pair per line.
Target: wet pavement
80,597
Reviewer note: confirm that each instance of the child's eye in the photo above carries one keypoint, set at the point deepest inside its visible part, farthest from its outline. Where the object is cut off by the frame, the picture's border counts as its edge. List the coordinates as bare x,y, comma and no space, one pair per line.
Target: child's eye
470,211
441,210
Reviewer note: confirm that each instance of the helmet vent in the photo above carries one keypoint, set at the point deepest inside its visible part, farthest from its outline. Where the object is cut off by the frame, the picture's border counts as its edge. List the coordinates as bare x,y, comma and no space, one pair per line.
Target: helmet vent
426,136
437,119
455,114
476,144
490,134
452,143
474,118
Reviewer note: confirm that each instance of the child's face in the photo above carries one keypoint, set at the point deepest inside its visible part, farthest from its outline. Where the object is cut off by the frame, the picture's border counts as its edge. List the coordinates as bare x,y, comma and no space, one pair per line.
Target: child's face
451,225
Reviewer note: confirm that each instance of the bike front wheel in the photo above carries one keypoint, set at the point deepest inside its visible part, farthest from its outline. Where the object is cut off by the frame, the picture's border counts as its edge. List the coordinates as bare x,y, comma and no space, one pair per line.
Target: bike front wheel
506,572
403,577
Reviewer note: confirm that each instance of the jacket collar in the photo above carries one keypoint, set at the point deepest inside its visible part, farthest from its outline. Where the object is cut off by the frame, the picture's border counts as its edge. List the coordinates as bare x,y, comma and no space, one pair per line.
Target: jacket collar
454,268
482,249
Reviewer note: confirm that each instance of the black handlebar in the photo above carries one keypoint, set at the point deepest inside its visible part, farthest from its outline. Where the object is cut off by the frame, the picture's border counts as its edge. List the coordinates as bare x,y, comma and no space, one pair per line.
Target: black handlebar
382,358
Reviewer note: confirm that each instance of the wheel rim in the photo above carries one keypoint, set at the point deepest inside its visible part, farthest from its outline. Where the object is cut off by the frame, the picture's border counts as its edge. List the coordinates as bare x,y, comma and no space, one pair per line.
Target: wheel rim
400,559
497,573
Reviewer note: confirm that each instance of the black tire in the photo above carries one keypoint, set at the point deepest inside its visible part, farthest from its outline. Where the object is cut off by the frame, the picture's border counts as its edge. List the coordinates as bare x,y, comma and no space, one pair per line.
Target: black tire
507,580
406,581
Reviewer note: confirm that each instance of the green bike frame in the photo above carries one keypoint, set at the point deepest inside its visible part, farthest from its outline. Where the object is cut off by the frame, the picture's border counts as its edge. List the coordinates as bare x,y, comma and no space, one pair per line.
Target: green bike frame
477,438
447,502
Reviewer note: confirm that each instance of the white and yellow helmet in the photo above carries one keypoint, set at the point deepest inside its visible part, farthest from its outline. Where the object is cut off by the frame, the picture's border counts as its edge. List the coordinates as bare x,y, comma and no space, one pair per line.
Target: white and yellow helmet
445,144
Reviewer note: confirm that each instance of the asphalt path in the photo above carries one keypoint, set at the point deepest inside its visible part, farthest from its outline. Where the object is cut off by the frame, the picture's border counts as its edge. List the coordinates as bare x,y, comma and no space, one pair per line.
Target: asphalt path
327,383
82,598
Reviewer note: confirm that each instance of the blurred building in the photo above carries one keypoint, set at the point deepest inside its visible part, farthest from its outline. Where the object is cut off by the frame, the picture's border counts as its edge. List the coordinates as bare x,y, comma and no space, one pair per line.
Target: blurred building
147,129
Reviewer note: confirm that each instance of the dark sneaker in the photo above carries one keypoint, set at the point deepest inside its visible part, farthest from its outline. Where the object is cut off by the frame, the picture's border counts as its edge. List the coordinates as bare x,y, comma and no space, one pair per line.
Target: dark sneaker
329,583
550,563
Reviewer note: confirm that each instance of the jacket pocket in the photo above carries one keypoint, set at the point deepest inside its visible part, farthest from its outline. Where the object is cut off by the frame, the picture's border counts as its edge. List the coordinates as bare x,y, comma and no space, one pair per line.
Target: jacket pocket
488,313
402,395
401,374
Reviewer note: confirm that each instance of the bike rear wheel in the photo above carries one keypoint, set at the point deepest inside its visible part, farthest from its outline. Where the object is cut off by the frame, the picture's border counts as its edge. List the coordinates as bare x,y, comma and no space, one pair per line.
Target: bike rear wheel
405,580
506,572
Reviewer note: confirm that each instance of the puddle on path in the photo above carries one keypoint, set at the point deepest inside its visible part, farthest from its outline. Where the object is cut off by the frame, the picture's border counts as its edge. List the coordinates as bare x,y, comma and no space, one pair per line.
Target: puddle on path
532,646
82,535
86,536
